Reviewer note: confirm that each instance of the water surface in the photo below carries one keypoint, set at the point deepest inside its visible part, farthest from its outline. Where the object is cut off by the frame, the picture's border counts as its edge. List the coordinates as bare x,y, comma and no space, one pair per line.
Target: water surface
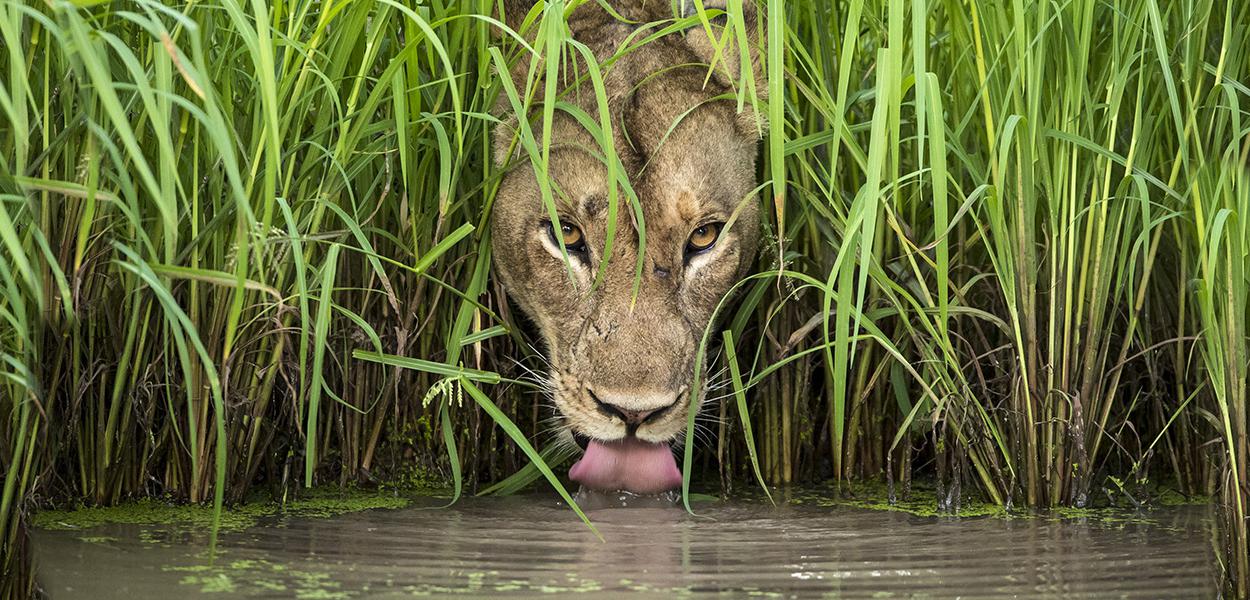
531,546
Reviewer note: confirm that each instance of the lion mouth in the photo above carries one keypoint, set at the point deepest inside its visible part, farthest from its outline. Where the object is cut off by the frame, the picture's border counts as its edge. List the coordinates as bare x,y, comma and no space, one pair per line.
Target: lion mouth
627,464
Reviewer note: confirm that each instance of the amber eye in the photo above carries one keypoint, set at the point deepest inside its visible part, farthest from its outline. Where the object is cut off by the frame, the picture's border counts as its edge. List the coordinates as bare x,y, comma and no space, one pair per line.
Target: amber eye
703,237
570,234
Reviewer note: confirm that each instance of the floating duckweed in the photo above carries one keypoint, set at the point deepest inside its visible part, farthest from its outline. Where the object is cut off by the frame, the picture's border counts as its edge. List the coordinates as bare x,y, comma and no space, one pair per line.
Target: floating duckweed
319,594
927,507
187,568
218,583
269,585
244,575
154,512
922,501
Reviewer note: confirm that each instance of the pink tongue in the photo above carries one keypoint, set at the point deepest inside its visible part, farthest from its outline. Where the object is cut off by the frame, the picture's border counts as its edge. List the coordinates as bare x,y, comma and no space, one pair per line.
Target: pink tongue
629,464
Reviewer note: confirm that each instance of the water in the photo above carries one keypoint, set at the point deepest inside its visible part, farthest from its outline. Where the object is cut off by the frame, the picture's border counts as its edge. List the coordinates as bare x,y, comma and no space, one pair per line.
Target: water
531,546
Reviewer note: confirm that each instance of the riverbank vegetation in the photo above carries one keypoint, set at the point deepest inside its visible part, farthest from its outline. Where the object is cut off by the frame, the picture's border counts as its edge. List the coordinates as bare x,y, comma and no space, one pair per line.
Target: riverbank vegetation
244,245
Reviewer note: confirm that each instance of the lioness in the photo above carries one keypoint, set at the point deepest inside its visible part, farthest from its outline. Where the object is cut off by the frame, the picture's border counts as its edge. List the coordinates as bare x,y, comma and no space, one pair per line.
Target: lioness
621,373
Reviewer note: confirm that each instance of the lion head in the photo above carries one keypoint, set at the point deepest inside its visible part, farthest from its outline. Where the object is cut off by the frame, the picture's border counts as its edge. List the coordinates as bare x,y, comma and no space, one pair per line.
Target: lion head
622,343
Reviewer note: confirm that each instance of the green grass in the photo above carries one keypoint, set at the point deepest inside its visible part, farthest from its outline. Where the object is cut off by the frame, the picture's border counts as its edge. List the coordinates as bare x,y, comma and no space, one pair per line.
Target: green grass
241,241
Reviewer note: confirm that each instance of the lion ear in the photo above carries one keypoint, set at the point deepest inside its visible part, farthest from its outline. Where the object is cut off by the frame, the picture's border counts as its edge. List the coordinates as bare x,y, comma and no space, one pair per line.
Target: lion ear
524,18
720,36
515,15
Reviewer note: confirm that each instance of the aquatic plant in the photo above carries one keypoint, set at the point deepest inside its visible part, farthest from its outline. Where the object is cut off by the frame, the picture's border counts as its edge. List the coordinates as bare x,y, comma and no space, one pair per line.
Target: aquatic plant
241,242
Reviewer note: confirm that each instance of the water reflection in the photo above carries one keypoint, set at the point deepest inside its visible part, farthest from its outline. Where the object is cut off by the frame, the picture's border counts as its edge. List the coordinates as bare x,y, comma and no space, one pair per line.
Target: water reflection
531,546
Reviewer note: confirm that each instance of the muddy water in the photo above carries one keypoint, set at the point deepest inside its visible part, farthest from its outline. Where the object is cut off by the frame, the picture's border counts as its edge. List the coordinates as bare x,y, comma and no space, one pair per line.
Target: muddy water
533,547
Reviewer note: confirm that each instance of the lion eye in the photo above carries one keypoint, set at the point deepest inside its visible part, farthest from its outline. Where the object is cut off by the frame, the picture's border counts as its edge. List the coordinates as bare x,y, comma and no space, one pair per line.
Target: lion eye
570,234
703,237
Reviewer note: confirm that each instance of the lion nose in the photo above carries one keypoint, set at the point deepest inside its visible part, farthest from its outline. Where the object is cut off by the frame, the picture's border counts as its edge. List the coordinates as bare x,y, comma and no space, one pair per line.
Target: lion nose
635,417
634,410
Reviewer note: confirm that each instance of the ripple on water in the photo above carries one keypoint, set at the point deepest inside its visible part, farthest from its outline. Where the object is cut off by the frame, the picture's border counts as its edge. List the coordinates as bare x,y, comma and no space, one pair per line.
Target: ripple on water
530,546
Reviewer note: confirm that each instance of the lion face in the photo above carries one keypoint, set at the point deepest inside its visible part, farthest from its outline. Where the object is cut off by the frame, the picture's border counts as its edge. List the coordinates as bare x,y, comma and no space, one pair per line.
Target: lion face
622,352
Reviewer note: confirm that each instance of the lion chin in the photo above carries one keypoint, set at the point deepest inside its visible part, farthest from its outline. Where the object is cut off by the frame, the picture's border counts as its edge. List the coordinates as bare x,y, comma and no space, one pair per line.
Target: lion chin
621,331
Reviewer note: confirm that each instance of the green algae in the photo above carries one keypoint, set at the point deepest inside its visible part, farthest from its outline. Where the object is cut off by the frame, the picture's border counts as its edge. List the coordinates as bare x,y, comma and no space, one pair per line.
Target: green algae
217,583
925,505
922,501
476,584
874,495
1111,517
318,504
1068,512
240,577
664,591
245,576
1172,497
321,594
269,585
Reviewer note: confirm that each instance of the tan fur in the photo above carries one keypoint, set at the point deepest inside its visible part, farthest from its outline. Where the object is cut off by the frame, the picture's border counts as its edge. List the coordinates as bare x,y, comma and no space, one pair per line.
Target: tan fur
638,357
